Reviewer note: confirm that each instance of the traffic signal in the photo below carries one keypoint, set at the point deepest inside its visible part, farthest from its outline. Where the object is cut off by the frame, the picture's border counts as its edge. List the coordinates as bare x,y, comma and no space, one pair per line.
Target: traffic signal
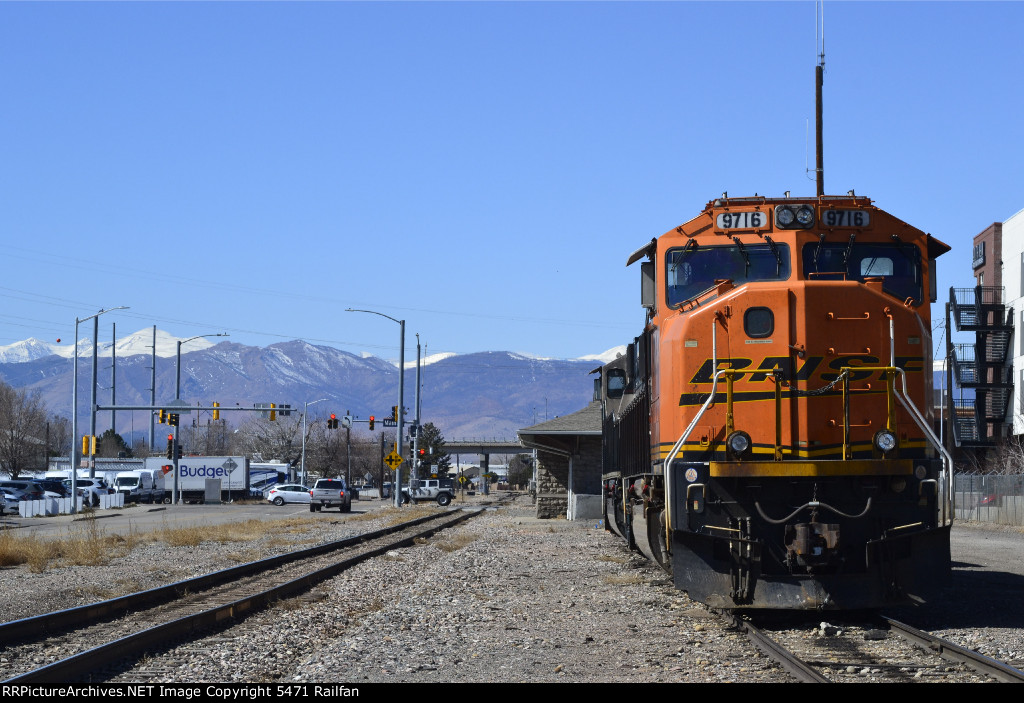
273,413
394,413
170,446
88,442
216,412
371,422
172,419
332,424
163,416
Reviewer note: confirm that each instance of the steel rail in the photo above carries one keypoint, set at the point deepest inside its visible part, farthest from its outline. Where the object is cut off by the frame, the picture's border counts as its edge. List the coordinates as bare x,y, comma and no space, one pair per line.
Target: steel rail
40,626
803,672
133,646
955,653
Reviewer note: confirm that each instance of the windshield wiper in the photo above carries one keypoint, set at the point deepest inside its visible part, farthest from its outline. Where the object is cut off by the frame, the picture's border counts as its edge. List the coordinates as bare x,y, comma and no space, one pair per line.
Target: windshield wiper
849,248
817,251
746,257
775,251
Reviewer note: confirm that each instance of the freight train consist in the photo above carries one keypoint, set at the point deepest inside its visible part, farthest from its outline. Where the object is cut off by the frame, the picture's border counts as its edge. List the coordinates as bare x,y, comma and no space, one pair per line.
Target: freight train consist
768,437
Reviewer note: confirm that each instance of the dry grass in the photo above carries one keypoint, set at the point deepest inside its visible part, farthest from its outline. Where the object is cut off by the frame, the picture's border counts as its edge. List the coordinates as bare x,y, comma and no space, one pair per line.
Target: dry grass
248,531
86,545
451,543
394,516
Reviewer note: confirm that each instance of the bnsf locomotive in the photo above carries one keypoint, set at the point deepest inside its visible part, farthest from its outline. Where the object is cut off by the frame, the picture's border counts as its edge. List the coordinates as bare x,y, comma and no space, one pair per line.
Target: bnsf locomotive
768,437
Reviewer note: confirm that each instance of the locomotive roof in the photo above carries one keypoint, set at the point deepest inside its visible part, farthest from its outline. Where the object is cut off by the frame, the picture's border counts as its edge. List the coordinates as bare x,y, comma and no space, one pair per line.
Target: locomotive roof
934,246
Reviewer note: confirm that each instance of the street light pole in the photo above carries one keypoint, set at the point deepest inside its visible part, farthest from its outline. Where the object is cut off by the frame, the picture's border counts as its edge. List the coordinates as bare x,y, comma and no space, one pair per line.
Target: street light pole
74,406
175,491
303,463
397,488
177,381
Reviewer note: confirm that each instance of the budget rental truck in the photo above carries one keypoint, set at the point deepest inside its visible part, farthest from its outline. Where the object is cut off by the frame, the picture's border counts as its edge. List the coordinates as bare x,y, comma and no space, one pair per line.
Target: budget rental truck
206,479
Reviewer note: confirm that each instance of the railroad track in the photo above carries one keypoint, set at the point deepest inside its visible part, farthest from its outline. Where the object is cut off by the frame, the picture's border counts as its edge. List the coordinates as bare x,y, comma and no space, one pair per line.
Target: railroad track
80,644
880,650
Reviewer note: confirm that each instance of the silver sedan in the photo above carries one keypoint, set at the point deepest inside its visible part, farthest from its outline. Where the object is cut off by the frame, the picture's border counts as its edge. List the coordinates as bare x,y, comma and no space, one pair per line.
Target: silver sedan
288,493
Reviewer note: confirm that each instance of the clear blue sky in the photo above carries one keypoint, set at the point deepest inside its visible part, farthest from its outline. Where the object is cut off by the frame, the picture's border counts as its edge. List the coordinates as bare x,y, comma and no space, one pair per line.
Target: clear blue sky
482,170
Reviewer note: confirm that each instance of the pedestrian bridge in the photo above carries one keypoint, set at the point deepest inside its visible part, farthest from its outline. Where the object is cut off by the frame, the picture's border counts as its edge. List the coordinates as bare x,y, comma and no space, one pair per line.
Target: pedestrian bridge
484,447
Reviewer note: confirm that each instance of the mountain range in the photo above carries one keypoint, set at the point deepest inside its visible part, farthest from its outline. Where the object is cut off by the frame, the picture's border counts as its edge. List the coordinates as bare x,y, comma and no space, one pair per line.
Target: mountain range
467,396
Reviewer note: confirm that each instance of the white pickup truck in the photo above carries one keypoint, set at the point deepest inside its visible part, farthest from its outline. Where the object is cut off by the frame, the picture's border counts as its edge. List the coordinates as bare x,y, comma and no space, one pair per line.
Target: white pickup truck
428,489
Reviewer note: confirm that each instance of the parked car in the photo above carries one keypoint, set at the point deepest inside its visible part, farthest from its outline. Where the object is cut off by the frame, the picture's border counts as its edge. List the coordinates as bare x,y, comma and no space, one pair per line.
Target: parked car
12,497
288,493
90,489
53,488
28,488
3,503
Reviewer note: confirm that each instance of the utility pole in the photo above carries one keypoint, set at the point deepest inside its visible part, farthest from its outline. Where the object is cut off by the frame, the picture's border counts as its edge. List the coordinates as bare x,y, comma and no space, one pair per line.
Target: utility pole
152,396
113,375
413,467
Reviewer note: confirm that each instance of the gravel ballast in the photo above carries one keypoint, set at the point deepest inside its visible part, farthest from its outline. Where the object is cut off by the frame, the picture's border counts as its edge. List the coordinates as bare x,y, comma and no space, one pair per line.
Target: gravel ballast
504,597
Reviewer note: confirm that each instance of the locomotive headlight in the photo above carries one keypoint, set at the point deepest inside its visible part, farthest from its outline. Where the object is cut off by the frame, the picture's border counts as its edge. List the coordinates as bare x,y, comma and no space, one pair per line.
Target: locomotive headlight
738,444
885,441
793,217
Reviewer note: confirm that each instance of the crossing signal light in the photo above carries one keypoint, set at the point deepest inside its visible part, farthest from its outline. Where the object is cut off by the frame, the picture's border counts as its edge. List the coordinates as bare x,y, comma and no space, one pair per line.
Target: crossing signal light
372,418
170,446
216,412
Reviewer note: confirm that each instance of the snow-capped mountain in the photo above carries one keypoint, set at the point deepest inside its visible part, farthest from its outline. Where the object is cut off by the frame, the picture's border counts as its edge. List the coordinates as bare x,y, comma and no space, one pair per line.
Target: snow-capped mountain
140,342
485,394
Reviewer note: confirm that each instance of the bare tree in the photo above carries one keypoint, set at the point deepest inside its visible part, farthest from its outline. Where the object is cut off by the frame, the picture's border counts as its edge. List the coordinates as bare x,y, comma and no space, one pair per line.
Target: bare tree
22,430
279,439
59,435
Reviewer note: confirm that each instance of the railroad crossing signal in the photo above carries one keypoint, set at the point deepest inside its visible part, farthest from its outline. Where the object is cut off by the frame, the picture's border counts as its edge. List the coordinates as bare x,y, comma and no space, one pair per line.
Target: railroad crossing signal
393,460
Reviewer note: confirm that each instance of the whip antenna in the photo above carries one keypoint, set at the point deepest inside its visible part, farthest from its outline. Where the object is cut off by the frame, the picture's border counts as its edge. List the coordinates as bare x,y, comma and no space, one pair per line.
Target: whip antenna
819,72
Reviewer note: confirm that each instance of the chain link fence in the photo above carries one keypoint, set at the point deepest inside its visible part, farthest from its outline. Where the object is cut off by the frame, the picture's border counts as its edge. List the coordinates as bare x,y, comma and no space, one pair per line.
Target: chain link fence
989,498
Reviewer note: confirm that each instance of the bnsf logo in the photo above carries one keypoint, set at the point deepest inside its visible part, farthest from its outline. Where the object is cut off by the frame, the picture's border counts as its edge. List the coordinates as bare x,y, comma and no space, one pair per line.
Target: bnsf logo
808,369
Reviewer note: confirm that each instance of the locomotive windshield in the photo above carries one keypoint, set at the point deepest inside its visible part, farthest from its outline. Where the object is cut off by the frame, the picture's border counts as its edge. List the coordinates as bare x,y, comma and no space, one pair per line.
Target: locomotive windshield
693,269
898,265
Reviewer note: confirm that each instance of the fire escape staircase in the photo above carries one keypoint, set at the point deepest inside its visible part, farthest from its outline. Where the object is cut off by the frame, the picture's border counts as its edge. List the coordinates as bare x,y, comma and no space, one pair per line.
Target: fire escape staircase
984,366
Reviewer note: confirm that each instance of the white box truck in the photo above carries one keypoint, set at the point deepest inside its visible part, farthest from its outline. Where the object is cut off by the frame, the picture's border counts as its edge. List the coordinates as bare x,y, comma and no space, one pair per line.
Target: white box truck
205,478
